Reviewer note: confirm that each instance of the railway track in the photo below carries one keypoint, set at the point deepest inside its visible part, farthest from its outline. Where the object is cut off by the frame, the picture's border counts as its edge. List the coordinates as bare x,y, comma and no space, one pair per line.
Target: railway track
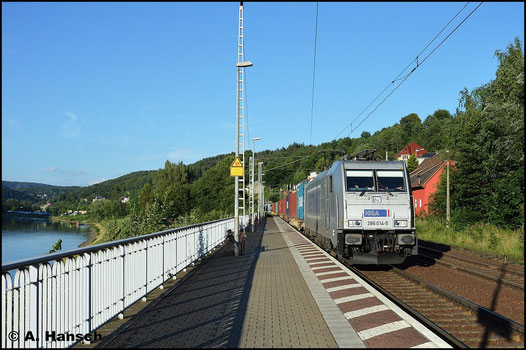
494,272
460,322
471,324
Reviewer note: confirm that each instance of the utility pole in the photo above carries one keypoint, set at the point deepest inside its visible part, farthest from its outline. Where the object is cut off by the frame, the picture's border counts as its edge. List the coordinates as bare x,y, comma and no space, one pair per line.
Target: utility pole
448,216
240,128
254,139
251,165
260,188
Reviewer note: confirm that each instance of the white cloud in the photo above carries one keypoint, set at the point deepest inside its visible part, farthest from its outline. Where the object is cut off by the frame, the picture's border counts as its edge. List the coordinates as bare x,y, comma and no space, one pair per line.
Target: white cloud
102,179
72,116
148,157
65,171
14,123
182,154
70,128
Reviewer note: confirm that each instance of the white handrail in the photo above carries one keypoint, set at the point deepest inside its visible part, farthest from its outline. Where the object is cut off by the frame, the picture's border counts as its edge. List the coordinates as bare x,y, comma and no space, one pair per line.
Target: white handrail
76,292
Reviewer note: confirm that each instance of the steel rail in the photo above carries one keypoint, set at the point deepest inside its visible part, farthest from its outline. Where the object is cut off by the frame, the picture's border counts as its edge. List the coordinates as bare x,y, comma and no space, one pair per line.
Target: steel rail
476,273
450,339
463,302
443,334
452,256
518,328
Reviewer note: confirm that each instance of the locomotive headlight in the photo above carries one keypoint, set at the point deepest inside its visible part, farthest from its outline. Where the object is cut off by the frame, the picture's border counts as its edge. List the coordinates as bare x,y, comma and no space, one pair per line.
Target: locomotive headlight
355,223
400,223
353,239
406,239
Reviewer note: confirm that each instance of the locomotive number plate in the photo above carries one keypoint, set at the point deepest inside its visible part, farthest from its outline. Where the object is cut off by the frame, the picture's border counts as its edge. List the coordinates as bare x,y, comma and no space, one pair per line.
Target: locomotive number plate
378,223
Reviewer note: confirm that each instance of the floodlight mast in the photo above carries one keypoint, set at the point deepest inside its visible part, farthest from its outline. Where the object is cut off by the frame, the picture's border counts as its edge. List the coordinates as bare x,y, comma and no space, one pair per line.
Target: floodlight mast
240,129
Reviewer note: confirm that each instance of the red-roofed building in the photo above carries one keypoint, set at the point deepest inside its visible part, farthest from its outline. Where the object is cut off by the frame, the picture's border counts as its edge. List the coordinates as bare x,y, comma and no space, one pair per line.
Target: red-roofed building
412,148
424,182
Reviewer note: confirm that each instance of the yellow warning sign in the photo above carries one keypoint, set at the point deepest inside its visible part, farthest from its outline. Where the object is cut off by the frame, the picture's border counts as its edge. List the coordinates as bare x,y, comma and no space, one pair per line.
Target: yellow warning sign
237,163
236,169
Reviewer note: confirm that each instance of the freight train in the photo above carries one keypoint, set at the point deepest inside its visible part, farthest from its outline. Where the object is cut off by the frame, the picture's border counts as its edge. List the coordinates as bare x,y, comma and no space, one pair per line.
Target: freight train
362,210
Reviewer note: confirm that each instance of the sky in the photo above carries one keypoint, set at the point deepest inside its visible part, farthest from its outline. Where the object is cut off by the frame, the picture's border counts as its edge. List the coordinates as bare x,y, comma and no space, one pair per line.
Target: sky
93,91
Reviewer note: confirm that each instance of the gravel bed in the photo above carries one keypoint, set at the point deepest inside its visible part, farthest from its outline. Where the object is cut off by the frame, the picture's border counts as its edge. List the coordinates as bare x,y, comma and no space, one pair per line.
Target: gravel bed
504,300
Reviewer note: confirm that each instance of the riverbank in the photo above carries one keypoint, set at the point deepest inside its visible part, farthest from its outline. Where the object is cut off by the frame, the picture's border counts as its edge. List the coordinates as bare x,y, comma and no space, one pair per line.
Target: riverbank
95,232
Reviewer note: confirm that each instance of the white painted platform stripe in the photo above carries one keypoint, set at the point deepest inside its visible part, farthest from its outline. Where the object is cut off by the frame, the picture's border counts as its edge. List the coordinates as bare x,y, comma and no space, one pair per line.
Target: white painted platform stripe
316,257
318,263
337,279
429,344
308,256
348,286
328,272
365,311
386,328
353,297
314,269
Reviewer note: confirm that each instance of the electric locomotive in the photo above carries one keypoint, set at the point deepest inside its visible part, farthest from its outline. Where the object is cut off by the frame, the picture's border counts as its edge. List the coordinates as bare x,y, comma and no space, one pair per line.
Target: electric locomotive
362,210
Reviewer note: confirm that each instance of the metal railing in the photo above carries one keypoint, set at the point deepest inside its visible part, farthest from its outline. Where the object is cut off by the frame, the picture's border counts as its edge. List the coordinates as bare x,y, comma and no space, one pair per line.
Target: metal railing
52,298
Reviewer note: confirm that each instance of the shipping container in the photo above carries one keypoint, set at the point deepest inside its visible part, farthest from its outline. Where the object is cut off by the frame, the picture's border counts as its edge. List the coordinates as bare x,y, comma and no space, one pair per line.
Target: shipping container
293,204
301,200
287,202
283,206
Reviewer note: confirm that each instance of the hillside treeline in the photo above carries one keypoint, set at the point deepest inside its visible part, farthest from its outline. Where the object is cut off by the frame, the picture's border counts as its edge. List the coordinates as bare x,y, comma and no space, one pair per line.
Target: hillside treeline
485,137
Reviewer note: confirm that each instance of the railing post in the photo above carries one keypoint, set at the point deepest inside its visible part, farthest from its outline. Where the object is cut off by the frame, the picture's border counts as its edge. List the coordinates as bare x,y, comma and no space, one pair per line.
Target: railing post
145,269
34,304
162,282
90,291
123,302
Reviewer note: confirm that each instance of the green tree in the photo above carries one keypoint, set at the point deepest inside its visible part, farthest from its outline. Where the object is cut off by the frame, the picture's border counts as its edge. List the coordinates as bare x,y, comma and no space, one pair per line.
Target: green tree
437,129
11,204
412,163
412,126
56,247
488,138
365,134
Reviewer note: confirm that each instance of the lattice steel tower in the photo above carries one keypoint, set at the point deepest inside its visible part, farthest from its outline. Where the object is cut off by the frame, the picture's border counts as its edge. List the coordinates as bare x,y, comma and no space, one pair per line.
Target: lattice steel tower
240,126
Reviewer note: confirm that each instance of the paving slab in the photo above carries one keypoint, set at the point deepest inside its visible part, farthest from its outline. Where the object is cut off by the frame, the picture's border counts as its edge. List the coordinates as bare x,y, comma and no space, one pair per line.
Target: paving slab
258,299
343,297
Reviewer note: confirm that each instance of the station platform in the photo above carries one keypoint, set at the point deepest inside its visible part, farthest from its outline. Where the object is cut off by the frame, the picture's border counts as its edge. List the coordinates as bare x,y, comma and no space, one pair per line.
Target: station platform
282,292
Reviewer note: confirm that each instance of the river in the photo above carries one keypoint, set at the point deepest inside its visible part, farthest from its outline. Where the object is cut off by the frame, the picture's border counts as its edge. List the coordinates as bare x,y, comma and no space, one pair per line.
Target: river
25,237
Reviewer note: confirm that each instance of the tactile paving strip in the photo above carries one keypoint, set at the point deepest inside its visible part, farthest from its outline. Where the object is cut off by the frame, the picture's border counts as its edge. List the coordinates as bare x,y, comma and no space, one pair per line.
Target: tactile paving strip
377,321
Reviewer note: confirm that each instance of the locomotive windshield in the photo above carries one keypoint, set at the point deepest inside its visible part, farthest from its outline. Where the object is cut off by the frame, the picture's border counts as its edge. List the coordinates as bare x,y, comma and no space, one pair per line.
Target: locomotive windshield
390,181
360,180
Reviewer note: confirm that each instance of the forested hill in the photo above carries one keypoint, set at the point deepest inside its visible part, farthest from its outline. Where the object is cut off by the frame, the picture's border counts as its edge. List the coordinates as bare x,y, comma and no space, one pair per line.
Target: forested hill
31,191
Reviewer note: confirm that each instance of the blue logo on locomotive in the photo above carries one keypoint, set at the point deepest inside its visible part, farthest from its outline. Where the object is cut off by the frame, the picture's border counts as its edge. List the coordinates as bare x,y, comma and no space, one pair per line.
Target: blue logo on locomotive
375,213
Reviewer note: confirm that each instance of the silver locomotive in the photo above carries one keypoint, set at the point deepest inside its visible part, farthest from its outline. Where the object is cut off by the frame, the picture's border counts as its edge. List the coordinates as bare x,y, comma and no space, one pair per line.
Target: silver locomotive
363,210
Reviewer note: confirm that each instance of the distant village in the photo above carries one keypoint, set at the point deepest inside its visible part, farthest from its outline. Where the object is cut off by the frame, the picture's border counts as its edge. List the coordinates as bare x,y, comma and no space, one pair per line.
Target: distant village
44,207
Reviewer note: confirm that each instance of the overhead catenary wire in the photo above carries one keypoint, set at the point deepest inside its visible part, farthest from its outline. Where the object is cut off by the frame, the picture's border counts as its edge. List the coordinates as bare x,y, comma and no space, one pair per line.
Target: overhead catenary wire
282,165
313,74
399,74
418,65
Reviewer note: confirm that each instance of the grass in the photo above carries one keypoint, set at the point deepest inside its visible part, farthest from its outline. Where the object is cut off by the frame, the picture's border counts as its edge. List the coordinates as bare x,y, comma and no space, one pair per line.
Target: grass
481,238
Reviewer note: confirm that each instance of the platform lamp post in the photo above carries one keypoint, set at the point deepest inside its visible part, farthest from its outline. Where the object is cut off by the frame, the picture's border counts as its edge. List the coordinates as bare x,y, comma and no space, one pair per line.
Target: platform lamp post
448,216
260,187
254,139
